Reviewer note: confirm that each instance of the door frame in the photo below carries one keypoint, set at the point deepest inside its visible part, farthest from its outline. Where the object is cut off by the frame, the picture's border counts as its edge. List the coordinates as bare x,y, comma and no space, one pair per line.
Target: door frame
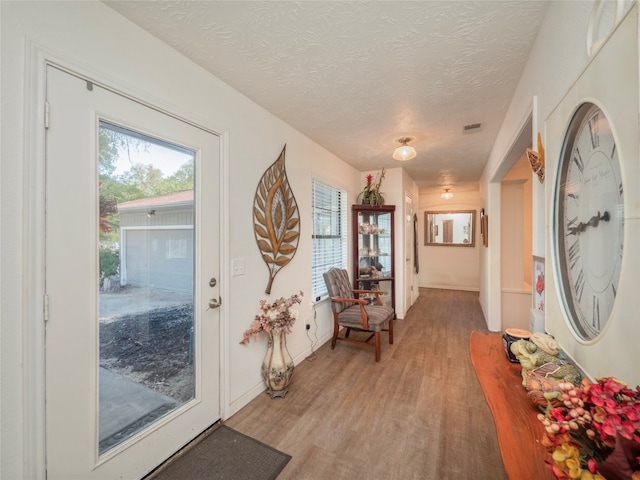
409,254
37,59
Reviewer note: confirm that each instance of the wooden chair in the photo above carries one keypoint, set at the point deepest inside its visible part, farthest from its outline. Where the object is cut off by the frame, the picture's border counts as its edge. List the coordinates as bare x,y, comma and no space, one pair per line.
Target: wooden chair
354,313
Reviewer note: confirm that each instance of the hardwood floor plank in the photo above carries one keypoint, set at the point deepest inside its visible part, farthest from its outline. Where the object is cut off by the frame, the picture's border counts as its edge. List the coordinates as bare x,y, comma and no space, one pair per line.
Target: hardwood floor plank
417,414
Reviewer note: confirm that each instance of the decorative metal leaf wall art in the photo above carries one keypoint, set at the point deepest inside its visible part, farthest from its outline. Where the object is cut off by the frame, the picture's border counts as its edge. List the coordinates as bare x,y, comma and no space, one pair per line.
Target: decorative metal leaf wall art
276,219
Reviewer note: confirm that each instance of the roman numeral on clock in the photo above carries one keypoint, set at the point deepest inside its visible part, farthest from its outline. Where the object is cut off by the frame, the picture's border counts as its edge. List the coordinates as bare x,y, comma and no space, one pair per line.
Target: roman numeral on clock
595,319
580,281
593,131
577,159
574,254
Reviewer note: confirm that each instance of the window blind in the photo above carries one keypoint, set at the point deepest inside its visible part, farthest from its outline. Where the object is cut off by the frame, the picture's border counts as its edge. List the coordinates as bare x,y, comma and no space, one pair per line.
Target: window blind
329,207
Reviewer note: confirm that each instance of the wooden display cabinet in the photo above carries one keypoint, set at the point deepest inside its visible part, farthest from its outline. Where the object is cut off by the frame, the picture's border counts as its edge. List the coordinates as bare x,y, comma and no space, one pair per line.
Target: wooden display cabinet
373,255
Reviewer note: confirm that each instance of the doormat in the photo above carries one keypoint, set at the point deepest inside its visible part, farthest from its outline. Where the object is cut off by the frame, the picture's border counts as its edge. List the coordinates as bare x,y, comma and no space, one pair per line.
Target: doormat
518,428
225,454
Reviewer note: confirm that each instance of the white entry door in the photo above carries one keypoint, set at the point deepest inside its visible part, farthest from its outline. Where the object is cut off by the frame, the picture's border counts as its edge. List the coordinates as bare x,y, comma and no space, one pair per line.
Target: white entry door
132,364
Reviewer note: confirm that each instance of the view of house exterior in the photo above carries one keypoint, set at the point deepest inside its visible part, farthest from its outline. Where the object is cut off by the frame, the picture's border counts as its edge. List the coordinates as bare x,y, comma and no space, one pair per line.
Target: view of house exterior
156,242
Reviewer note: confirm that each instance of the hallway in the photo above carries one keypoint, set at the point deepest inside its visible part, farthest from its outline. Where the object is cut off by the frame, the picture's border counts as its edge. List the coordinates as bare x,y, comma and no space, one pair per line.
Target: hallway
418,414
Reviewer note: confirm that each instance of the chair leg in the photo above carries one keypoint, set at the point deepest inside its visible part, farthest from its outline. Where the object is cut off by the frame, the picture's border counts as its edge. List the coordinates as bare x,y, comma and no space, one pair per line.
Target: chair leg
377,340
336,329
391,322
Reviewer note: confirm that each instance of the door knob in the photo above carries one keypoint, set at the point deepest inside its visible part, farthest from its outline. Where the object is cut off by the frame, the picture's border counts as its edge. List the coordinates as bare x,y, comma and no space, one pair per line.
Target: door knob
213,303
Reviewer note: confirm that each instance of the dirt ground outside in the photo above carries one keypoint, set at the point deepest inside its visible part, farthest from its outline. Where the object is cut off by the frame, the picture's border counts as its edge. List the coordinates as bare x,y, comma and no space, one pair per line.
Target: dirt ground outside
145,335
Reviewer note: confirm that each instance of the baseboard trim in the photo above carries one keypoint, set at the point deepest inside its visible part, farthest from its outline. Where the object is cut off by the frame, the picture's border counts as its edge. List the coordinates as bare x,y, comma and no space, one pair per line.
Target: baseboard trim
452,287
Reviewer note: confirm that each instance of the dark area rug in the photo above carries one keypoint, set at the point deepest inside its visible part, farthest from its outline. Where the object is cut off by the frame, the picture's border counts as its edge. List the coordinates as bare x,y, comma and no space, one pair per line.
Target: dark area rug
226,454
519,431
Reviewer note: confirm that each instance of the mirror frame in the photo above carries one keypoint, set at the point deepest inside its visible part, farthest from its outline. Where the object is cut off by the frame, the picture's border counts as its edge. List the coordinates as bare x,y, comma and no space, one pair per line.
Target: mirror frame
428,218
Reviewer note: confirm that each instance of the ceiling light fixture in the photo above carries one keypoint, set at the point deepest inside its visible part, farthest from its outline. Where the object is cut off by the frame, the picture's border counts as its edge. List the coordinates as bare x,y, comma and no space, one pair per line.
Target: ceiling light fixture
404,152
447,195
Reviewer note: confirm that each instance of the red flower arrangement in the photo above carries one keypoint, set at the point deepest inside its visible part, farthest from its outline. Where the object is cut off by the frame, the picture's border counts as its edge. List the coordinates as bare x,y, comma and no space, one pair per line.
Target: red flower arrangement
595,434
371,194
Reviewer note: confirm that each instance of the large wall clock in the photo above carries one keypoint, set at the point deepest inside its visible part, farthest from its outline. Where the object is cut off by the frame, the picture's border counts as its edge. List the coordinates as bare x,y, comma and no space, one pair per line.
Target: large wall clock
592,195
589,221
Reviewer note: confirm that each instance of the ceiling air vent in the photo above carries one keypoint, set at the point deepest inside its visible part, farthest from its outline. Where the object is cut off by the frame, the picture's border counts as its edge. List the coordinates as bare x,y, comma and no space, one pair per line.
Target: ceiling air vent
472,127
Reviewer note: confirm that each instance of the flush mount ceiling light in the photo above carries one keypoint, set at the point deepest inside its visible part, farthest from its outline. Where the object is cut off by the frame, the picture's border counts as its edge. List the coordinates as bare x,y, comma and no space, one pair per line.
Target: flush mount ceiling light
446,194
404,152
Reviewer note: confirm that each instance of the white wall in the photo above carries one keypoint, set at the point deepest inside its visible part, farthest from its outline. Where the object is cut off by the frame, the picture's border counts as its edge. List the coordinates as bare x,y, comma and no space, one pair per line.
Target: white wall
557,58
448,267
92,38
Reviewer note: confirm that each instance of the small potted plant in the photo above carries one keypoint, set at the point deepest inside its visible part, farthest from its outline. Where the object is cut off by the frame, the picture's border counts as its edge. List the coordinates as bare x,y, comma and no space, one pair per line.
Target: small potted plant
371,194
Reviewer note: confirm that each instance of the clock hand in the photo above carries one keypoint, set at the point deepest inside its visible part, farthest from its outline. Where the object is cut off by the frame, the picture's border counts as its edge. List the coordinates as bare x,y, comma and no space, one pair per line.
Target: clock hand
593,222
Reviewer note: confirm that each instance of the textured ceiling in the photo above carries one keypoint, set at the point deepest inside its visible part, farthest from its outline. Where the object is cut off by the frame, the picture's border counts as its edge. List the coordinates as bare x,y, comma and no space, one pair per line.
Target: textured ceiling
357,76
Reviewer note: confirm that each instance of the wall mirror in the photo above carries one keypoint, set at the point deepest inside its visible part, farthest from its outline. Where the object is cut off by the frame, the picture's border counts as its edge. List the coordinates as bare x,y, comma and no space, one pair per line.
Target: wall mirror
455,228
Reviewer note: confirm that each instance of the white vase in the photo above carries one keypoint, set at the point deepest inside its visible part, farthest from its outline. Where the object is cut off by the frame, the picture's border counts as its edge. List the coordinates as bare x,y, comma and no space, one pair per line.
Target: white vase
277,367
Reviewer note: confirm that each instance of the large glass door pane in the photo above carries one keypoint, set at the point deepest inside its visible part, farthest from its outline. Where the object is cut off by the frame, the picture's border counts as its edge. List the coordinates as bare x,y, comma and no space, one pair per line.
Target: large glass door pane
146,251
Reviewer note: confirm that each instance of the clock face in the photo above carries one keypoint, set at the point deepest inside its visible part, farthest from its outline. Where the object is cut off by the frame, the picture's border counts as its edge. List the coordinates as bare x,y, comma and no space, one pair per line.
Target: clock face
589,227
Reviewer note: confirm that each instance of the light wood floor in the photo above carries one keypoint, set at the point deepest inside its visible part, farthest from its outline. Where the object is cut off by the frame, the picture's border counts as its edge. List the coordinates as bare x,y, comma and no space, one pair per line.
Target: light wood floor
418,414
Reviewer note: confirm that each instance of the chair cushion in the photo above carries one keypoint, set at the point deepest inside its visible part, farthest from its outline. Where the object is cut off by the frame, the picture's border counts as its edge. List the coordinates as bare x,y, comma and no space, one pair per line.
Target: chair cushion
379,316
338,285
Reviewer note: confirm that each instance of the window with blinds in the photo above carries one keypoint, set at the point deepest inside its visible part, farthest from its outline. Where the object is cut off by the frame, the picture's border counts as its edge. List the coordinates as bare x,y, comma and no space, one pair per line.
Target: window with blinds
329,207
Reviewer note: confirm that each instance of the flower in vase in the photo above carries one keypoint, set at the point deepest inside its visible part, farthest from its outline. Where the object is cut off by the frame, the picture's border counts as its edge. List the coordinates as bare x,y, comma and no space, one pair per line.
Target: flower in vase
278,315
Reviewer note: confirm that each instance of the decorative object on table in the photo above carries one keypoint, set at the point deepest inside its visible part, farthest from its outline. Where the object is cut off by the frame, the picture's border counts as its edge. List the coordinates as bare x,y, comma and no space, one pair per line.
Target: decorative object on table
532,356
536,159
544,367
595,433
371,194
276,219
546,343
543,389
510,336
275,319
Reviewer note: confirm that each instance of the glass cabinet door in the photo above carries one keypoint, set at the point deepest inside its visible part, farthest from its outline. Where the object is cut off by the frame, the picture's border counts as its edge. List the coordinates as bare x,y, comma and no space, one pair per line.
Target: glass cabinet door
373,255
